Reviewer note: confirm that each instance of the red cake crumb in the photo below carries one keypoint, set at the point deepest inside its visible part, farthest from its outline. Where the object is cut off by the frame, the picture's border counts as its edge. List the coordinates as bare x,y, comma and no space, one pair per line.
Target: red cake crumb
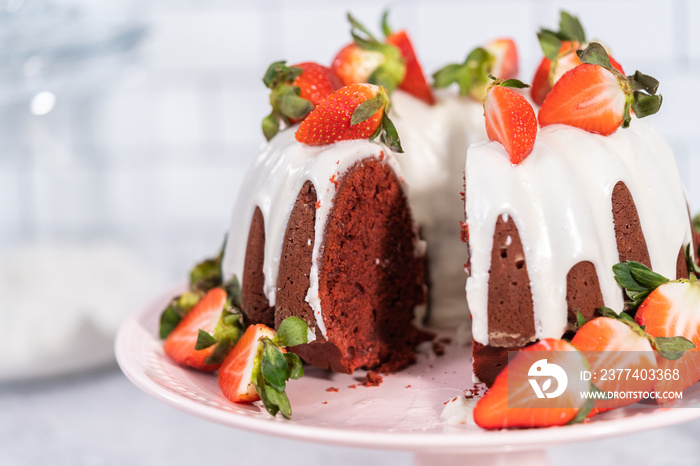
438,348
408,386
325,402
352,386
332,389
318,204
373,379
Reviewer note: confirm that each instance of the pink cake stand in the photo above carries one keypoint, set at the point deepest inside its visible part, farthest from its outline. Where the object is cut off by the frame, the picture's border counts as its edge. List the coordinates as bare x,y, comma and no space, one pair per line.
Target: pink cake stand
403,413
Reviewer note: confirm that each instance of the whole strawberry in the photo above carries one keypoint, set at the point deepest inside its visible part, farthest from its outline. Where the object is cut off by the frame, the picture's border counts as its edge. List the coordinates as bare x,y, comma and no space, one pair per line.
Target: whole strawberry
559,48
510,119
357,111
296,90
597,98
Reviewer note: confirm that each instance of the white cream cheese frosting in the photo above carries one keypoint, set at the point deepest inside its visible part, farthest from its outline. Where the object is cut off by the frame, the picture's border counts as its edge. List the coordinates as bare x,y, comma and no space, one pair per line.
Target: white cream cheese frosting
560,200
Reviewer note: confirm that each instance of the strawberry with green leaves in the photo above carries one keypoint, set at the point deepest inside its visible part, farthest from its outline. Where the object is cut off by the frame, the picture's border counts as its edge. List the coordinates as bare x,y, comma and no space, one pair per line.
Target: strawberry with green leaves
498,58
669,311
618,342
204,336
559,48
367,60
414,81
295,91
259,366
357,111
512,403
510,119
597,98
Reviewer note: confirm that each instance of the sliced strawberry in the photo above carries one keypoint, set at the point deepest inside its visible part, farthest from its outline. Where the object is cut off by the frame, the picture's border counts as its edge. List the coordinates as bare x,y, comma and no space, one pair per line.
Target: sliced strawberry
497,409
209,326
414,82
511,121
366,60
498,58
560,49
671,310
236,377
357,111
588,97
259,366
596,97
611,344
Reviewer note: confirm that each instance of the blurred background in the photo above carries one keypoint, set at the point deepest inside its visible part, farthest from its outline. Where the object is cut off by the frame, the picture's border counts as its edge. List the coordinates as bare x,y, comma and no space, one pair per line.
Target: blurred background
125,130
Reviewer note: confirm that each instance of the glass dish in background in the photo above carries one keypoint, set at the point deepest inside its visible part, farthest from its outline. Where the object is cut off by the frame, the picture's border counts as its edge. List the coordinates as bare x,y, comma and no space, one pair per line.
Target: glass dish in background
70,270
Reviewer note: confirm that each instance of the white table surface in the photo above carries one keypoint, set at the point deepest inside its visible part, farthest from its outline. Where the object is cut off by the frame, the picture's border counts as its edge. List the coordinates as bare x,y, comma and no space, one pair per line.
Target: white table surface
100,418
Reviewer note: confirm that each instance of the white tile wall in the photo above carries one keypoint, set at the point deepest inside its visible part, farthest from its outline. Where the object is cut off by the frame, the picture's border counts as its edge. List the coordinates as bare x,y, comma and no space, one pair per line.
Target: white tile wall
157,156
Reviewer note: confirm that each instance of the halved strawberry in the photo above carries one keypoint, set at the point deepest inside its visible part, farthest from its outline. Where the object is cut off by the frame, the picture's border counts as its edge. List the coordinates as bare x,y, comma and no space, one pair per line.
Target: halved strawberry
498,58
559,48
357,111
236,375
611,344
259,366
414,82
366,60
296,90
671,310
596,97
205,334
510,120
514,403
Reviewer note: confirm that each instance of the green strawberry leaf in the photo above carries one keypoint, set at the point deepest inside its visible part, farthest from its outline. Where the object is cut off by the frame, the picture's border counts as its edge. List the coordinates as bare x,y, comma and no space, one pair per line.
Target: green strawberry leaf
390,135
293,106
693,267
645,105
514,83
607,312
571,28
296,368
643,82
177,308
471,74
595,54
367,109
279,73
673,348
696,223
580,320
270,125
550,43
292,331
273,364
233,290
274,401
204,340
386,30
644,276
587,407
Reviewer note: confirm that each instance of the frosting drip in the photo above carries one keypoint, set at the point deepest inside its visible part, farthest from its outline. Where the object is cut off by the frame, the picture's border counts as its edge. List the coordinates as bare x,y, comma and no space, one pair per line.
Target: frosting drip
560,200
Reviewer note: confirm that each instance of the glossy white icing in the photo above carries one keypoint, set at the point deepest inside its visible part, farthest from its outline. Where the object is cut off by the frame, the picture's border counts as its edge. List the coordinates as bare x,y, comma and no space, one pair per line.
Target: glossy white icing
435,140
273,182
559,198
